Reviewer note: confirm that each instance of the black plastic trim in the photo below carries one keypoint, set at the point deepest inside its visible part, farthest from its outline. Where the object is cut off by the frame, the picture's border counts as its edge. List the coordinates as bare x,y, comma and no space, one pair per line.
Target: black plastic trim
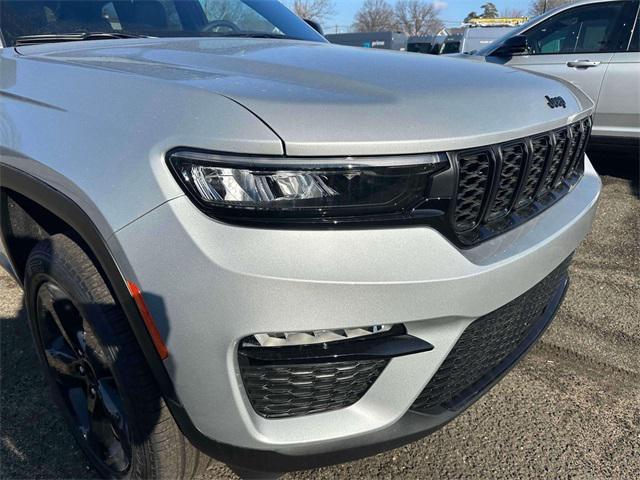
394,343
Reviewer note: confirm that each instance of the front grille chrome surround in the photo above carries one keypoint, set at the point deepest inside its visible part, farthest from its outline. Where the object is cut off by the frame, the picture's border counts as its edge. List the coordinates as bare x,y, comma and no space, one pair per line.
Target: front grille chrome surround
500,186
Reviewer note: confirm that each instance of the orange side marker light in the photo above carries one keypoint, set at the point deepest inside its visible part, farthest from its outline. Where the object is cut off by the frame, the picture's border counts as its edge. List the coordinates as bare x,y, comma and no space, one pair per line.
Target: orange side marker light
148,320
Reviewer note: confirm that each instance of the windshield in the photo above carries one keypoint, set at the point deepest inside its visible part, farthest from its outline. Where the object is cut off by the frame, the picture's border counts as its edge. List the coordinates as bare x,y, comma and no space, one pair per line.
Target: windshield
154,18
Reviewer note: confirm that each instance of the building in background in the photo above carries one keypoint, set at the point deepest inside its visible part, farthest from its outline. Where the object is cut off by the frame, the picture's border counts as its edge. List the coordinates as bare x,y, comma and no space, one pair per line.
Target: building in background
384,40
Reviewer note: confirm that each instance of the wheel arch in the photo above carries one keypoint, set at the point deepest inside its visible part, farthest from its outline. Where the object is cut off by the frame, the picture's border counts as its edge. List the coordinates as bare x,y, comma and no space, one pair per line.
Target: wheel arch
31,211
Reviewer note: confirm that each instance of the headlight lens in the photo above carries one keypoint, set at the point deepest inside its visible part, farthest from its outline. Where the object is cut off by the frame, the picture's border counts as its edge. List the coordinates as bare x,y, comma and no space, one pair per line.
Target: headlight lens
316,190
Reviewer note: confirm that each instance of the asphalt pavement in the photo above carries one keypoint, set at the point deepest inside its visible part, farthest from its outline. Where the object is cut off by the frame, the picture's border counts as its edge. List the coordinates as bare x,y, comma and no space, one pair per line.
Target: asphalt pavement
570,409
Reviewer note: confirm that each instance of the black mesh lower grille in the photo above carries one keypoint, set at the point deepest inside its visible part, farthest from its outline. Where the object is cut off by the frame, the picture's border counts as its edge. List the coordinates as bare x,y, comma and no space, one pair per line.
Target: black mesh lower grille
294,390
486,343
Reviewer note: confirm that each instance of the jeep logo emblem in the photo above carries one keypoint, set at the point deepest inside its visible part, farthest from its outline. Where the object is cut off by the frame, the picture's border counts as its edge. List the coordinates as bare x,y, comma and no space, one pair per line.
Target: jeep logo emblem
555,102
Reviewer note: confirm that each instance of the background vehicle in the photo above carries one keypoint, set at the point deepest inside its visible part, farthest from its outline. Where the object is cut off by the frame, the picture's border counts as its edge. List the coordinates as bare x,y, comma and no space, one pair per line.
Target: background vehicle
477,38
451,44
438,43
592,44
471,40
226,249
421,44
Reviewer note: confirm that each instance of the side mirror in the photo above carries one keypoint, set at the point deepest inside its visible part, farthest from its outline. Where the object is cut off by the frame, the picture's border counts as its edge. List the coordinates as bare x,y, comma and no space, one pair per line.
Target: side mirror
515,45
315,25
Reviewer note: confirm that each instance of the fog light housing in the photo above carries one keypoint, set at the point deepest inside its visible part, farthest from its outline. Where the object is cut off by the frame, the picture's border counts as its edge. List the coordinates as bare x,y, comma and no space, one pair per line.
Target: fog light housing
319,346
290,339
291,374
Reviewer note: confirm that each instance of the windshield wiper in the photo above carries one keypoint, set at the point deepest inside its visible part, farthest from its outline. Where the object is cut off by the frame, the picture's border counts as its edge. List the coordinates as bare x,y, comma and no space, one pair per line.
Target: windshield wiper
71,37
252,35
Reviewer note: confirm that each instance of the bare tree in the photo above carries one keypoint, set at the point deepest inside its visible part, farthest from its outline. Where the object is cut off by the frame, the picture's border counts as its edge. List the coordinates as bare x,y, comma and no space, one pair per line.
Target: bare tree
375,15
541,6
417,17
318,10
513,13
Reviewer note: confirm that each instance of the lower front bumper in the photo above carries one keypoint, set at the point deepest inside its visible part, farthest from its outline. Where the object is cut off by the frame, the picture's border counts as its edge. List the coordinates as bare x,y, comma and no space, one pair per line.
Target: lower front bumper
411,426
208,285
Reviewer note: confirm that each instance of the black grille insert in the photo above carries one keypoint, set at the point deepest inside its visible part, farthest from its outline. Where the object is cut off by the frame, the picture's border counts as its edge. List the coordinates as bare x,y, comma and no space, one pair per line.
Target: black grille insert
295,390
540,150
472,188
487,343
513,161
500,186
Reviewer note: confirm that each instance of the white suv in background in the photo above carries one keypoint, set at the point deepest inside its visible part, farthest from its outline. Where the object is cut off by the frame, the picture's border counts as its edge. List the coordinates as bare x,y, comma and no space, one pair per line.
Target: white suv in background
592,44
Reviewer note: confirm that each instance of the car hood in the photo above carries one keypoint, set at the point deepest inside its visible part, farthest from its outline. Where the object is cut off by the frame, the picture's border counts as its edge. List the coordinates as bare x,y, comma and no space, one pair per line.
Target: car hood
322,99
467,56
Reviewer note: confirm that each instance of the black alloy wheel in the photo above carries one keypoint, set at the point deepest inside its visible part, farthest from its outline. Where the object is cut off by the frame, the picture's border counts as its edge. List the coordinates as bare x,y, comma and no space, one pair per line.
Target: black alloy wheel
83,378
100,378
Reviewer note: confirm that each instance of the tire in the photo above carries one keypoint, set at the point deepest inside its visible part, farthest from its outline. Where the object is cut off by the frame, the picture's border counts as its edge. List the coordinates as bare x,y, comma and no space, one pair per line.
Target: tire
87,348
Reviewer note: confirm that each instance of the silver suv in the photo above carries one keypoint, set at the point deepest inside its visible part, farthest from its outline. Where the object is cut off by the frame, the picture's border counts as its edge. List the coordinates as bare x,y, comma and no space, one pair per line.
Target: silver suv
592,44
239,241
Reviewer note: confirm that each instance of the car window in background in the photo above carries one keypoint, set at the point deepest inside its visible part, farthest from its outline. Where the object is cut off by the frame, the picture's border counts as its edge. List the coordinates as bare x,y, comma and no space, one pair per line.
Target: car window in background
451,47
156,18
588,29
420,47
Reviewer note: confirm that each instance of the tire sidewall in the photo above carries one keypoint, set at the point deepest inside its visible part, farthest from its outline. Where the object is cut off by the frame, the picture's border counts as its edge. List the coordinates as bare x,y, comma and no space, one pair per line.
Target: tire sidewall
43,267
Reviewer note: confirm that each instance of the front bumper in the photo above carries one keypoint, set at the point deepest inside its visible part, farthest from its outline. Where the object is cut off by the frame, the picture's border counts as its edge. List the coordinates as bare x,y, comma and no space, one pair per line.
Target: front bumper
209,284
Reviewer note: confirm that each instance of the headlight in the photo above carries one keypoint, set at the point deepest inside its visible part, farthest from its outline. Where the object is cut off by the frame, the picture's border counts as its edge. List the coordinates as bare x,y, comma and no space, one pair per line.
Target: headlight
295,190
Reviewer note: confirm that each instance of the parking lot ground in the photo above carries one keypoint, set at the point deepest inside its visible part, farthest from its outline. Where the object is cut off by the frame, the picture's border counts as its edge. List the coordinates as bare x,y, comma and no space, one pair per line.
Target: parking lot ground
571,408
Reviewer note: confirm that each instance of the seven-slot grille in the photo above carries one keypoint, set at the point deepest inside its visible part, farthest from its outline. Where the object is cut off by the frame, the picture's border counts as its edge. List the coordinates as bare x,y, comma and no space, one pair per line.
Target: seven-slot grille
500,181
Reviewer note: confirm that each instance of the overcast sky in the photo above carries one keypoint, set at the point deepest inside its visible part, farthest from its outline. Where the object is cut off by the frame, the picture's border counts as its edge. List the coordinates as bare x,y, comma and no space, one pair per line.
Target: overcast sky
452,10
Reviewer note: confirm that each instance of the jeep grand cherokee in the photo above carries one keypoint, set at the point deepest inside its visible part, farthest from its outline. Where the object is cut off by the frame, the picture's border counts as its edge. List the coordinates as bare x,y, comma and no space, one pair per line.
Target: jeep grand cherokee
239,241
